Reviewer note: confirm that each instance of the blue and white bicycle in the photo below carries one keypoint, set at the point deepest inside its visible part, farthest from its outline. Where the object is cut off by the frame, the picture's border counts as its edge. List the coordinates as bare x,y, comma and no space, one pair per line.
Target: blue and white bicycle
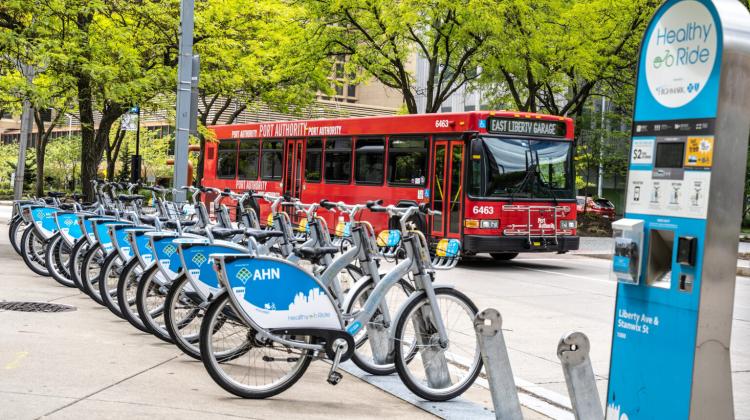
285,317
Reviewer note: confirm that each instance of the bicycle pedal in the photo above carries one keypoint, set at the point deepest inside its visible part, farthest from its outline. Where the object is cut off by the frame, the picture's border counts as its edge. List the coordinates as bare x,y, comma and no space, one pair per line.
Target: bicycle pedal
334,378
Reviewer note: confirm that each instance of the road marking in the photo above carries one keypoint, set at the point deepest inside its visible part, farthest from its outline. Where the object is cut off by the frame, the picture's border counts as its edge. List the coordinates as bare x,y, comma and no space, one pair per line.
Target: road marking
565,274
16,360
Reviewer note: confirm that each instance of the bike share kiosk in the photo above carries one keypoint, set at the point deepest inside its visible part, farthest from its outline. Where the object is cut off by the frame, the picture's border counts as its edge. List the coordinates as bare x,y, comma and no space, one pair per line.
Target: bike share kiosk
675,251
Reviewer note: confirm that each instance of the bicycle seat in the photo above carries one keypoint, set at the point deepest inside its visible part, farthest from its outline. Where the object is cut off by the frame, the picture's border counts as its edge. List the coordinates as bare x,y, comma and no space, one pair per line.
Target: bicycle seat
224,233
66,206
172,224
263,235
310,253
129,198
110,212
150,219
56,194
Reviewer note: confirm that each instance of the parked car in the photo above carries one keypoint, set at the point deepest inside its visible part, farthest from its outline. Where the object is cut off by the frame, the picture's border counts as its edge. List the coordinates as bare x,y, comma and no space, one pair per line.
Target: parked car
600,206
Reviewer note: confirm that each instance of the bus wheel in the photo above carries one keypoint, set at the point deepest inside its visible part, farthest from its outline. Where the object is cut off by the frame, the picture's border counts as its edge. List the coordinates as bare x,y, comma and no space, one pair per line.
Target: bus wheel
503,256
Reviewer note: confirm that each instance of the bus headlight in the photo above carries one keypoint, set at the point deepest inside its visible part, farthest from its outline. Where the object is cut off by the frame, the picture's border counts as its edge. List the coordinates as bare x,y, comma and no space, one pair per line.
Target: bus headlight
471,223
568,224
489,224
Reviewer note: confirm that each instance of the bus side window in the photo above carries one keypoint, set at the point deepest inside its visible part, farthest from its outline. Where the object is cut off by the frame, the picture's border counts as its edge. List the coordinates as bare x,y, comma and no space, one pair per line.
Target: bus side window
249,153
271,159
314,160
369,157
226,165
407,160
338,166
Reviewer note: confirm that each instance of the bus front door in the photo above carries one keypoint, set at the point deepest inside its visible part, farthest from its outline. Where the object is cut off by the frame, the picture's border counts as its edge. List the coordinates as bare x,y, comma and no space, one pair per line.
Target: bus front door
447,188
293,171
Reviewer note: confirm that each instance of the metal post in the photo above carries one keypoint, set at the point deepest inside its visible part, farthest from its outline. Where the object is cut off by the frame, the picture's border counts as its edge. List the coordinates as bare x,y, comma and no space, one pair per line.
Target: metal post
184,75
135,161
573,351
600,180
497,365
23,140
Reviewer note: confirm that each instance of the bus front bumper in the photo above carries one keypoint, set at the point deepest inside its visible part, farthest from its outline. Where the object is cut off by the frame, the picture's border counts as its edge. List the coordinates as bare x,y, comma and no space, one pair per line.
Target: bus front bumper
475,244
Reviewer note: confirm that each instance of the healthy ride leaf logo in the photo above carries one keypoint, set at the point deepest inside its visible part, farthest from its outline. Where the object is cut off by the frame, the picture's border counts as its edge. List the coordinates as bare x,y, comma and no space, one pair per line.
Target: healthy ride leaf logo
680,53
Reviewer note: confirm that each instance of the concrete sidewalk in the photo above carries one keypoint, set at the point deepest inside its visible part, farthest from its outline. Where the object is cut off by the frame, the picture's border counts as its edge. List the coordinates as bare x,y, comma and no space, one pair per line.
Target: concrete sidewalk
89,364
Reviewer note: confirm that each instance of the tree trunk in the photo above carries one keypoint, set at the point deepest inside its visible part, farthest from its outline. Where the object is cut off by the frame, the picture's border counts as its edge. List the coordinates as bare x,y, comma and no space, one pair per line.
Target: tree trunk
89,156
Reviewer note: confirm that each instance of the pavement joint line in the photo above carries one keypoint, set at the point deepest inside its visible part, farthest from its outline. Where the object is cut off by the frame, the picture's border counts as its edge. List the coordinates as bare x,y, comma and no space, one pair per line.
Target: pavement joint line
108,387
36,394
192,410
64,297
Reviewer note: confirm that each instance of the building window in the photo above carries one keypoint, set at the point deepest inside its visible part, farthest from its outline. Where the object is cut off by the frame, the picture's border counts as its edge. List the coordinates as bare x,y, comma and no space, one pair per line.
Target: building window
469,108
351,91
314,160
407,160
226,165
271,166
248,160
369,157
338,164
446,108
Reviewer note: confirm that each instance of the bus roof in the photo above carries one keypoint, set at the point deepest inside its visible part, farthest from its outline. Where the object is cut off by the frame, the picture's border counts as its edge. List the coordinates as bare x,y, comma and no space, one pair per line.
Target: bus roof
454,122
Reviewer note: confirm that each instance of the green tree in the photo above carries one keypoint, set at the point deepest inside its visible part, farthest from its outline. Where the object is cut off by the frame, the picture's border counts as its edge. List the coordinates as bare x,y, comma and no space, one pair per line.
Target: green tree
64,161
254,51
552,55
383,37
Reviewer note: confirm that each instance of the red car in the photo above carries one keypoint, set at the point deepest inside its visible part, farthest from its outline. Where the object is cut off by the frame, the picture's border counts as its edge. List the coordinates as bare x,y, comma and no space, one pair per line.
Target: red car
600,206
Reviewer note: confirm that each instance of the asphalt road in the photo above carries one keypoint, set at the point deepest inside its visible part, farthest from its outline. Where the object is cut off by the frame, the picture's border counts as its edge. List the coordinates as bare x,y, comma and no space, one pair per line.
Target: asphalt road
542,296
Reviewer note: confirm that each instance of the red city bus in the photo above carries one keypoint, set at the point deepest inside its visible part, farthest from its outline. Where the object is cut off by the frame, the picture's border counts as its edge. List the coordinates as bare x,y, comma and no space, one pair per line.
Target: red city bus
504,181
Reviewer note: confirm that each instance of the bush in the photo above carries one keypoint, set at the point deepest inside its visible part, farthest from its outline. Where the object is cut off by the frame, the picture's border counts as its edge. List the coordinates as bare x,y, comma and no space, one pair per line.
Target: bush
6,194
590,224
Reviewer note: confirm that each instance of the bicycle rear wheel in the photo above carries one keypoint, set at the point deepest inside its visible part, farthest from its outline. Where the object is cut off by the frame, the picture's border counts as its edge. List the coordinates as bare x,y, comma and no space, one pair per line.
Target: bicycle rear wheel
438,372
365,350
241,364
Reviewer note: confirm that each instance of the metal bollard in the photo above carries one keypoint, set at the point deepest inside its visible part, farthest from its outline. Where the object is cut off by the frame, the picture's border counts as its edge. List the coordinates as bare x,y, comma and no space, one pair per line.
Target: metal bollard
497,365
573,351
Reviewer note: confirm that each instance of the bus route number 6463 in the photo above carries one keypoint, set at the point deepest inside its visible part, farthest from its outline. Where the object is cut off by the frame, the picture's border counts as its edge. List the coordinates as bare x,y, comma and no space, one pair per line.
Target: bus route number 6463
486,210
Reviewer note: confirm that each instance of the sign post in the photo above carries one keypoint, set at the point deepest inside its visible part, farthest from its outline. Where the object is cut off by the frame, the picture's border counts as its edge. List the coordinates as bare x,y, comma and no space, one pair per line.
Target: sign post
676,249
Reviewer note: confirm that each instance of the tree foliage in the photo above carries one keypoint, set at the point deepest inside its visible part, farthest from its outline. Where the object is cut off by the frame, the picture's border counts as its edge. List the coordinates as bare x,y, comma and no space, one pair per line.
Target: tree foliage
382,37
552,55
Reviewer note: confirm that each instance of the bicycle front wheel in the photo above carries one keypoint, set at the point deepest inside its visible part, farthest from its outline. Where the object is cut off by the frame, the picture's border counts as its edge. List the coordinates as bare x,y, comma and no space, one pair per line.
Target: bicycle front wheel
435,371
58,260
240,363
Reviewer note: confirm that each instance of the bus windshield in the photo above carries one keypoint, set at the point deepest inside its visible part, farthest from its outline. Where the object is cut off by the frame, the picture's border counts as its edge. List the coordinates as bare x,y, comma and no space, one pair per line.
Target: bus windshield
521,168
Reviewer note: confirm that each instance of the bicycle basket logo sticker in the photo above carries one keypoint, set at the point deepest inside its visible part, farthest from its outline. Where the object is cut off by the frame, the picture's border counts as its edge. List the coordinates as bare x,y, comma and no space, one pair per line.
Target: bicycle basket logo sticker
199,259
68,222
244,275
169,250
680,53
39,214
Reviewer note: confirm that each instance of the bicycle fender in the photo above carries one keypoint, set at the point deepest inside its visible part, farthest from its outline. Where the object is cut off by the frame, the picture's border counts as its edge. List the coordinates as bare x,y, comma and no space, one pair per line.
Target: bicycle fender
359,284
414,296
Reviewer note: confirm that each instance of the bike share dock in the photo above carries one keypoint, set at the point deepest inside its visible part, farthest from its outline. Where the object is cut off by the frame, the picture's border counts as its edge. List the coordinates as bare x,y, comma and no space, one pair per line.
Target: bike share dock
86,364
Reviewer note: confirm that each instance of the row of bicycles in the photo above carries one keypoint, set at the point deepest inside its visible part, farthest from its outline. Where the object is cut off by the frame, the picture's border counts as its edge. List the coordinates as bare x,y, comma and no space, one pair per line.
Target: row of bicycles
258,305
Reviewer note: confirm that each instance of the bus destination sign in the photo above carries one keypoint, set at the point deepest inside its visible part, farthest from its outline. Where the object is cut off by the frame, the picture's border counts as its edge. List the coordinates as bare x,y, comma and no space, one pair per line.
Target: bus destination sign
526,127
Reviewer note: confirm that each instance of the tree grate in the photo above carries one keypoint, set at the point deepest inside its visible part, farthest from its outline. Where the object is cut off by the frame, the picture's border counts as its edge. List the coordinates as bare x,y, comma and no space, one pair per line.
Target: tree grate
35,307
